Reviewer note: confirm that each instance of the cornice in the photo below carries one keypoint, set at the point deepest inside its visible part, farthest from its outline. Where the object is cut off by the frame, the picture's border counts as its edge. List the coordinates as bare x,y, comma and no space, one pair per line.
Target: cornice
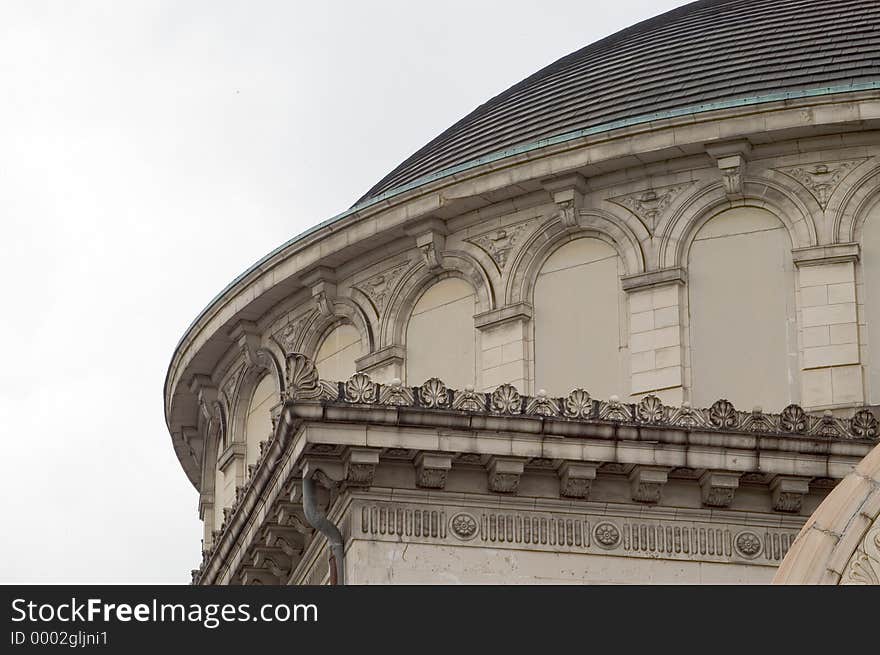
533,162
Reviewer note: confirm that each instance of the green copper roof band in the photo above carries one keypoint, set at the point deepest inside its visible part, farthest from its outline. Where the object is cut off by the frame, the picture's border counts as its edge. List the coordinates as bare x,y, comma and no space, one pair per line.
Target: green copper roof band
536,145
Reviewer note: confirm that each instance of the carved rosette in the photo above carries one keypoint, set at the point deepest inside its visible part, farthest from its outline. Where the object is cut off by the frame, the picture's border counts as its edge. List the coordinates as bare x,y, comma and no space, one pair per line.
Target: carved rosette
793,419
607,535
506,400
578,404
433,393
361,389
747,544
722,414
463,526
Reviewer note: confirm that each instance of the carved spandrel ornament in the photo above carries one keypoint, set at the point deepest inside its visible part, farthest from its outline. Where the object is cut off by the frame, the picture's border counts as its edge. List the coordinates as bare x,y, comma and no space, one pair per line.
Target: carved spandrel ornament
230,386
648,205
821,179
500,243
863,567
289,337
379,286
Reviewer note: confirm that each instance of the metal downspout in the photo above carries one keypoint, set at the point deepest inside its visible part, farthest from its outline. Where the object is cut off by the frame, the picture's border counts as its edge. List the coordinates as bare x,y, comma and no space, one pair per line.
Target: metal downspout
322,524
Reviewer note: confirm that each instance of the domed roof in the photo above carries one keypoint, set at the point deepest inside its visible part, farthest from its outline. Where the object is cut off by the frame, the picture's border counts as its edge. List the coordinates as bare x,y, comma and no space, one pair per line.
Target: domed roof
704,55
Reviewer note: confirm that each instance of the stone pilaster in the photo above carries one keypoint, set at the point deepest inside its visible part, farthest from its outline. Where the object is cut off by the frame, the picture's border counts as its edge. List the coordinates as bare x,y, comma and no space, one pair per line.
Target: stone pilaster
383,365
655,334
504,344
831,371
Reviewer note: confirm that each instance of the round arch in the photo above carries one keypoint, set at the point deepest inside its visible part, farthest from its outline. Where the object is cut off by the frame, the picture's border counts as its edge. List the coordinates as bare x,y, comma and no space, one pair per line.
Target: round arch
457,264
706,203
593,224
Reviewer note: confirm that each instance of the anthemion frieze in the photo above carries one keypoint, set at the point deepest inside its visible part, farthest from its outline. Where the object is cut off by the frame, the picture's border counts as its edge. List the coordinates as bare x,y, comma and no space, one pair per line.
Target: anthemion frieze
461,470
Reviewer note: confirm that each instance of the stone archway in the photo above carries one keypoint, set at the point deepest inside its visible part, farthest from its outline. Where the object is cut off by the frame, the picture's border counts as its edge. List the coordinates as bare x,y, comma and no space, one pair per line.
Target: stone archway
840,543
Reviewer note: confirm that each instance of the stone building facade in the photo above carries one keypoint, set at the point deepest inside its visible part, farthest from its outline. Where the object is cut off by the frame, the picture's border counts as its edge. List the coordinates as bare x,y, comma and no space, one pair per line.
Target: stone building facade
604,329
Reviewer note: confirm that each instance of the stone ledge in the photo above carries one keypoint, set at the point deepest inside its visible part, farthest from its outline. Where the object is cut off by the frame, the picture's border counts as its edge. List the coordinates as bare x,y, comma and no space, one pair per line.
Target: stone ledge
651,279
830,254
517,312
382,357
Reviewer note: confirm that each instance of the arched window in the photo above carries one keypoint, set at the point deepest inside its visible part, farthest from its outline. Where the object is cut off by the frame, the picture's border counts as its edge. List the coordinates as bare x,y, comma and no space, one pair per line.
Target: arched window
871,299
258,420
742,312
440,335
577,305
339,350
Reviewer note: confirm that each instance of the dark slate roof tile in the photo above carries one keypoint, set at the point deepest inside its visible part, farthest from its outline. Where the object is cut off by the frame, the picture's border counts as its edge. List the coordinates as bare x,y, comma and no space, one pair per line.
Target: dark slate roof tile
703,52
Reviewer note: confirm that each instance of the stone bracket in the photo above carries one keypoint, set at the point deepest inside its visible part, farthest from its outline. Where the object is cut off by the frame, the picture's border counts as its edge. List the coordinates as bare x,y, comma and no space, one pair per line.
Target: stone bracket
360,466
272,559
430,237
568,193
504,474
322,281
576,479
718,488
788,492
431,470
253,575
731,158
646,483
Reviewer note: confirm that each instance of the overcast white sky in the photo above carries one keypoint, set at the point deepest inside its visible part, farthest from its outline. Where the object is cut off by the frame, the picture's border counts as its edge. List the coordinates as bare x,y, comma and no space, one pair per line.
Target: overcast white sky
149,153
